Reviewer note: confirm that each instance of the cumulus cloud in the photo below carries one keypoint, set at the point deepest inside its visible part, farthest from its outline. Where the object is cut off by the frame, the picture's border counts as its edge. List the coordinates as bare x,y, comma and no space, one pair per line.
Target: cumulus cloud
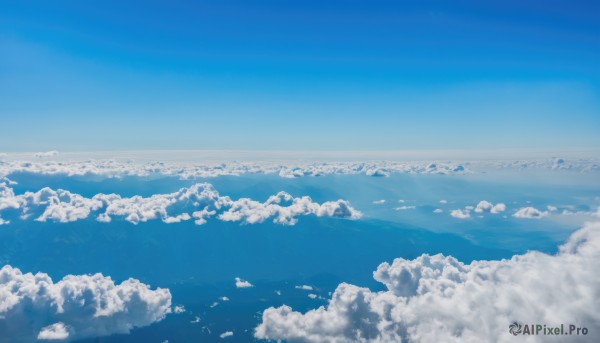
8,200
250,211
440,299
530,213
226,334
460,214
33,306
486,206
438,210
57,331
201,200
482,206
239,283
379,202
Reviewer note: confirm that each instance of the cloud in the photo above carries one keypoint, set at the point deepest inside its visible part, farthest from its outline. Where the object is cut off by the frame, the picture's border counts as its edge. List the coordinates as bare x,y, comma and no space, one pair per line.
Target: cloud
312,296
239,283
440,299
438,210
443,201
482,206
305,287
379,202
486,206
226,334
185,170
75,165
33,306
249,211
404,208
377,172
59,206
8,200
530,213
201,200
56,331
46,154
179,309
460,214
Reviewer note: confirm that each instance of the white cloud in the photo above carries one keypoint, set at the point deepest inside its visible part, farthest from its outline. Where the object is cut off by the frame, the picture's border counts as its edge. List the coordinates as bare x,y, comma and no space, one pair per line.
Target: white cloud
377,172
249,211
486,206
179,309
438,210
59,206
226,334
46,154
33,306
201,200
305,287
530,213
379,202
482,206
312,296
460,214
239,283
404,208
8,200
439,299
57,331
443,201
500,207
224,298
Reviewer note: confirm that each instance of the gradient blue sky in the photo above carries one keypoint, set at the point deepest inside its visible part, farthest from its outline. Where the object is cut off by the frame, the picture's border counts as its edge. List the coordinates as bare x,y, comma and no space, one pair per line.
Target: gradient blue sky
302,75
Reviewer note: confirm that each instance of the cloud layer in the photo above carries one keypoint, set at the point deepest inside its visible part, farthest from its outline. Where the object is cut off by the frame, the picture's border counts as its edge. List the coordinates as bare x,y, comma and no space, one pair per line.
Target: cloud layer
34,307
188,170
200,202
439,299
51,163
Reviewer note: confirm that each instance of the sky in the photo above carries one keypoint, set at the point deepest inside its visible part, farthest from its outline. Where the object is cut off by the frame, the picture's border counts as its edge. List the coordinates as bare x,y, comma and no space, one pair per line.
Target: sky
299,75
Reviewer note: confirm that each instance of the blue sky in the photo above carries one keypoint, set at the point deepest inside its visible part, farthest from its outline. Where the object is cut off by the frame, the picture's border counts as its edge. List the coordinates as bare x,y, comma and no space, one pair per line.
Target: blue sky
301,75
